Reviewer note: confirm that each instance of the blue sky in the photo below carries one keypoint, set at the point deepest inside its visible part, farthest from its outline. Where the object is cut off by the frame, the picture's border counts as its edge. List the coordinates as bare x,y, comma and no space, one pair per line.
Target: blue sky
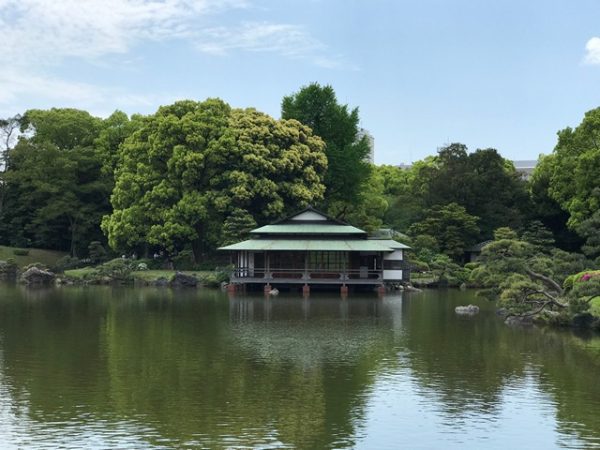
502,74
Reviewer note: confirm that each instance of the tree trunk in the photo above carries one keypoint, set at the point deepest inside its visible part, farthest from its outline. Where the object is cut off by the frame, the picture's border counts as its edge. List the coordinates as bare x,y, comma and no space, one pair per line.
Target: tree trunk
73,224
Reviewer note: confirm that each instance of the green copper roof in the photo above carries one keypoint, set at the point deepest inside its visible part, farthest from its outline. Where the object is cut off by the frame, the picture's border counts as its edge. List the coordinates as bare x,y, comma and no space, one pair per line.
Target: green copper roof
307,228
332,245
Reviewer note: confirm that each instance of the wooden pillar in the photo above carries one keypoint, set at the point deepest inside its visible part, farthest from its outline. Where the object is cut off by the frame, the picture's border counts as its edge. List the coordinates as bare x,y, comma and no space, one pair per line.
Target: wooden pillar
231,288
268,288
306,289
381,289
305,276
344,290
267,265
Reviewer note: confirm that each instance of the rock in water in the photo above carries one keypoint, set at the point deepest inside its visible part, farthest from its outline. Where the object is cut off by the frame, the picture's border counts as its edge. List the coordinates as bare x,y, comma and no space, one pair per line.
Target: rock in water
182,280
35,276
467,310
274,291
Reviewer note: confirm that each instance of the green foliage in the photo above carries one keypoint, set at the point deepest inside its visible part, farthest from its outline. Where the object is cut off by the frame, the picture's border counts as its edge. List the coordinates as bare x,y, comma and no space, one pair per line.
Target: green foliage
539,236
67,262
447,272
589,229
453,228
237,227
348,169
574,167
55,192
118,269
20,252
505,233
96,252
192,164
368,211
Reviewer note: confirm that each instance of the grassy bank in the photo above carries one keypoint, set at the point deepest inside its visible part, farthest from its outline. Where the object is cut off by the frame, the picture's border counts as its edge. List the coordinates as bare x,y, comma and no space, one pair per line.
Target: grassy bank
142,275
46,257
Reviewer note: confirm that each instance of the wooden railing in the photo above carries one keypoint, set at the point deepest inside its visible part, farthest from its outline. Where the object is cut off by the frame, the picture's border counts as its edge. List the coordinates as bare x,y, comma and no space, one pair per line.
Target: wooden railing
306,274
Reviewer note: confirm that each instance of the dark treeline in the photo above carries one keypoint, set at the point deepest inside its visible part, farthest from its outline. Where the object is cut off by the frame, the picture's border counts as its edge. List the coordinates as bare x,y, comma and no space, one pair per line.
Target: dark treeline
196,175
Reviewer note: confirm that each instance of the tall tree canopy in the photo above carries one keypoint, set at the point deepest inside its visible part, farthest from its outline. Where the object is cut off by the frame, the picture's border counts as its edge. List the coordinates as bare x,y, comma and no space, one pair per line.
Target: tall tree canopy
574,169
192,165
348,169
451,226
56,192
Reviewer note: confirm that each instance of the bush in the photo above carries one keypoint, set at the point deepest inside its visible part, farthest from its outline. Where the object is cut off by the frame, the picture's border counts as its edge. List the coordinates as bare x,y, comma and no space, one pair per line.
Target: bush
118,269
184,260
68,262
8,267
20,252
151,264
37,265
220,275
97,252
141,267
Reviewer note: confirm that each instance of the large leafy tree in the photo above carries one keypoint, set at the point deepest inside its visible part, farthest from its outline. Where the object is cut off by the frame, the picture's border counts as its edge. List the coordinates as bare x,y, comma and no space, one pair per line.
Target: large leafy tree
348,168
451,226
483,182
546,209
55,190
574,167
192,165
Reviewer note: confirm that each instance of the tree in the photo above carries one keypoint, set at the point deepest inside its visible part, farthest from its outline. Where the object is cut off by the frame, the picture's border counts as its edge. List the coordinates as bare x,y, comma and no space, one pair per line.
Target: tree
539,236
348,169
575,165
369,210
55,191
451,225
589,229
9,128
237,227
483,182
191,165
546,209
526,282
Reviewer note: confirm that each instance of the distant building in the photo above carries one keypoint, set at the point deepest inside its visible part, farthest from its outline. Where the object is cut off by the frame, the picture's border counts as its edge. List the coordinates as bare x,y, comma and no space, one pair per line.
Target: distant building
371,142
525,167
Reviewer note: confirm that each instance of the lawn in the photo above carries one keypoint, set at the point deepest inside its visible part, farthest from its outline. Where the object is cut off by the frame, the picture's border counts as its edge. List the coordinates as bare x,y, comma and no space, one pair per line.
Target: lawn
47,257
145,275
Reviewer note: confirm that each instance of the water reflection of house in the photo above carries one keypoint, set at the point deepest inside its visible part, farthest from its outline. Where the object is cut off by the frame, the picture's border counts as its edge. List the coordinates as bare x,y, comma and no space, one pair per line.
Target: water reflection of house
311,249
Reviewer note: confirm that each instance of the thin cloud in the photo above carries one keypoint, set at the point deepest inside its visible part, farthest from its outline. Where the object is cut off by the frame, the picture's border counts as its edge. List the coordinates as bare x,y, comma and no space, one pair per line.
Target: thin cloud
292,41
38,36
592,48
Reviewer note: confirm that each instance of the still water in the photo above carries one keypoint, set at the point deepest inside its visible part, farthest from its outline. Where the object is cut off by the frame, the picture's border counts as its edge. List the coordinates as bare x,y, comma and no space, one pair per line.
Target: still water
103,367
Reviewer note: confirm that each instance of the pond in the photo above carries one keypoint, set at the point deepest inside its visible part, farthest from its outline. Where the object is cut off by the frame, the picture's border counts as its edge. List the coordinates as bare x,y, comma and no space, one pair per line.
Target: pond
102,367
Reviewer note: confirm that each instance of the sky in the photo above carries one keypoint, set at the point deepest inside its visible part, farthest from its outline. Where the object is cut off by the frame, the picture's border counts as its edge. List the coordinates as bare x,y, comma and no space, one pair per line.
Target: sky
500,73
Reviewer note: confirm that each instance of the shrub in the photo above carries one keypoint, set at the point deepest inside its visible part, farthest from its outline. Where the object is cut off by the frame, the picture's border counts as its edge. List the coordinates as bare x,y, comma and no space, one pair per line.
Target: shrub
117,269
97,252
141,267
68,262
184,260
20,252
37,265
151,264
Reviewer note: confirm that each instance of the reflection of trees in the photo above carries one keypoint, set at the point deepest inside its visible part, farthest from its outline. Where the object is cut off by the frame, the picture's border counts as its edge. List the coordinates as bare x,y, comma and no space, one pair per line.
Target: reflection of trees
468,364
178,362
200,369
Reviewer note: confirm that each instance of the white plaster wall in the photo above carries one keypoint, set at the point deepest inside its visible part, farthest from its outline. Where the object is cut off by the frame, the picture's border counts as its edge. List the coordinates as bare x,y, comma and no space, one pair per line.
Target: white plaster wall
394,256
392,275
